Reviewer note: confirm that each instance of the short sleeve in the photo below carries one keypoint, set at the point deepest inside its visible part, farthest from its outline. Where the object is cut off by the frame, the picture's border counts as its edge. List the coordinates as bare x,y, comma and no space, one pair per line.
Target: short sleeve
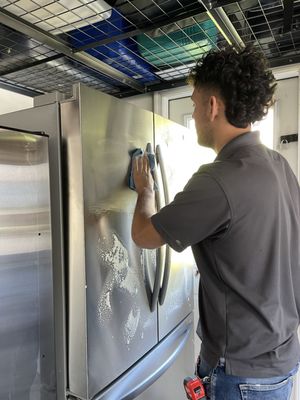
200,211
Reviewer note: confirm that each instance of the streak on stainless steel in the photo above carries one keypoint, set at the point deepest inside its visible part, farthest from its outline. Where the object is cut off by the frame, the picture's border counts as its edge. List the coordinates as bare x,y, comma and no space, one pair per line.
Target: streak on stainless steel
131,324
115,256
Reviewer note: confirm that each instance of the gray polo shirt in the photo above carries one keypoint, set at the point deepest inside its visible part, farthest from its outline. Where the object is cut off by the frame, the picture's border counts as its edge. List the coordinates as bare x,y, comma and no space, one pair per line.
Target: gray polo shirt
240,214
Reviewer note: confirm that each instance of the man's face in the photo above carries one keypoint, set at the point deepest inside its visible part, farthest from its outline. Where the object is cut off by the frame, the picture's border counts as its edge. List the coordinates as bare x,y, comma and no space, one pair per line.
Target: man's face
200,99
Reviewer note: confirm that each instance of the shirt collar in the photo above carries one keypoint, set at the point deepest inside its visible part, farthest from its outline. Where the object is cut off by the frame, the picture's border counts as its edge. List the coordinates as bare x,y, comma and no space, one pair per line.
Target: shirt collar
245,139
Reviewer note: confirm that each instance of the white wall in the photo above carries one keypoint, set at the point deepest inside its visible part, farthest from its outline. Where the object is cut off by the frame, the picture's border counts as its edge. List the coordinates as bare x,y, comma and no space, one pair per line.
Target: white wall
10,101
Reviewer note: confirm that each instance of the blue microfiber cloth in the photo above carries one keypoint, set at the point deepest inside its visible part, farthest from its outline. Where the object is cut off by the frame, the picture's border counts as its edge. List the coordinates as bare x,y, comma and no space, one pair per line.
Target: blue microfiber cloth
135,153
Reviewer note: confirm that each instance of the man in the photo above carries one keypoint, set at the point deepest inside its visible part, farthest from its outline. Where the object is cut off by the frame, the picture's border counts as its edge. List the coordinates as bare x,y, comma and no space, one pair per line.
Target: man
240,215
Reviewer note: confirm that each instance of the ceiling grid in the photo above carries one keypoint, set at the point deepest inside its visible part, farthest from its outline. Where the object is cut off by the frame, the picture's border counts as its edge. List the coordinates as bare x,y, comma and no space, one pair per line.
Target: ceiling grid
126,47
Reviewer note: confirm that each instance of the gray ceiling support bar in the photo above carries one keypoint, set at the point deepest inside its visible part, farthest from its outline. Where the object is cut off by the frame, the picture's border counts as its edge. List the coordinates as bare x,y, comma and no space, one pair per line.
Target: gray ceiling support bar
288,15
30,65
223,23
55,43
18,89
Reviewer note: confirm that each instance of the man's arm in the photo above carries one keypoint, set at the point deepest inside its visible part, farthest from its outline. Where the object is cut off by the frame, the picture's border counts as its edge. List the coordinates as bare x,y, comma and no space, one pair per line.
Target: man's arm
143,232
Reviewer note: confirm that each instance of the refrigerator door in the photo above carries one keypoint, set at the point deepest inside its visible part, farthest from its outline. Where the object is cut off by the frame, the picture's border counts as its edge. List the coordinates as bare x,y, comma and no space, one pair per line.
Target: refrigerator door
45,118
110,323
27,361
173,151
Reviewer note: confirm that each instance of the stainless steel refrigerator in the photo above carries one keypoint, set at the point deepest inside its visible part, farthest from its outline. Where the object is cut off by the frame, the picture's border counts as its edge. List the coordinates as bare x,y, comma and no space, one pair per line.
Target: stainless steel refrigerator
27,363
123,316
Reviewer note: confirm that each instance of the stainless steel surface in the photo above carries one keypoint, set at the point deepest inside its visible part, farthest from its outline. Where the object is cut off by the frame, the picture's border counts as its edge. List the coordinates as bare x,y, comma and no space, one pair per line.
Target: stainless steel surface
150,368
170,385
108,304
76,253
175,150
27,362
110,325
46,119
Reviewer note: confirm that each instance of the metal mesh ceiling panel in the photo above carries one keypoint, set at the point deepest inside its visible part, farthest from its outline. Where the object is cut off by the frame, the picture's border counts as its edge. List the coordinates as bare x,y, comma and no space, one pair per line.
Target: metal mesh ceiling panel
17,50
65,15
146,44
59,75
263,24
145,55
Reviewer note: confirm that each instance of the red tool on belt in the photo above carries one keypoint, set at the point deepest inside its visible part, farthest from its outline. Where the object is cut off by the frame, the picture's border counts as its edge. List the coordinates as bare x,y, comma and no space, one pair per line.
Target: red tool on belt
194,388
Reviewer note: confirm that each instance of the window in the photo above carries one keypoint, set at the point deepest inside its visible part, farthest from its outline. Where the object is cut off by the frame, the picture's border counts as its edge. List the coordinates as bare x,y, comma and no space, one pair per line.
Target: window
266,128
206,155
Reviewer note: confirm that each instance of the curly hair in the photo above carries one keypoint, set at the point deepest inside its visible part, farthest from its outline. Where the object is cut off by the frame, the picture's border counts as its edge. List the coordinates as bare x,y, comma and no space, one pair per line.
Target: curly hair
243,80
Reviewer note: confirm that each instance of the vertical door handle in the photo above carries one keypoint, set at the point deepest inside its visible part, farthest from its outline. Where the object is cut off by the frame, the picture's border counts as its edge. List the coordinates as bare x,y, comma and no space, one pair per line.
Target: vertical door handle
167,266
160,251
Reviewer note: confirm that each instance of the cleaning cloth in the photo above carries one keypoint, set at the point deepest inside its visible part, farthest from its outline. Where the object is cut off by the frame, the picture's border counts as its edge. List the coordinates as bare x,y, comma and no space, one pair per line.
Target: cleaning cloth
133,154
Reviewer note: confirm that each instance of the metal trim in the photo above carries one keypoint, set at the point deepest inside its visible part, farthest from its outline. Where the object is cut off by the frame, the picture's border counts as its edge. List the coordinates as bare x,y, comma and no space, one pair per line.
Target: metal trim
18,89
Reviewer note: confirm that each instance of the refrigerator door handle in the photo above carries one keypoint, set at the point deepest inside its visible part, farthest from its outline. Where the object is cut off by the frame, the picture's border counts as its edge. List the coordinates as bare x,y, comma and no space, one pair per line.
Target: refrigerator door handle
167,266
160,251
164,287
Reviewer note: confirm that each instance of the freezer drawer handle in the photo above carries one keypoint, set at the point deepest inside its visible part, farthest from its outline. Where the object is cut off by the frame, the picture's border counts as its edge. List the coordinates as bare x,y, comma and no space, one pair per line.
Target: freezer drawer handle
145,372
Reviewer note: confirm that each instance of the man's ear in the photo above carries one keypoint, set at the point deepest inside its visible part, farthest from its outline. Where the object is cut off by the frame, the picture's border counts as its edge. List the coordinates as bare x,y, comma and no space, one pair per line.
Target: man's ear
213,108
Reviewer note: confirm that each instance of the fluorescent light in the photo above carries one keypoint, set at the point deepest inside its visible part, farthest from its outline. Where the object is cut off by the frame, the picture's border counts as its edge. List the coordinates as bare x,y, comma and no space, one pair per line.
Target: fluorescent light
224,25
219,27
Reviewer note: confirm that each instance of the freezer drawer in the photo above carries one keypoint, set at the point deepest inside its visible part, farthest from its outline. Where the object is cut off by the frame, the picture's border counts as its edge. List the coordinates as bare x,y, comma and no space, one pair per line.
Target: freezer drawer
159,374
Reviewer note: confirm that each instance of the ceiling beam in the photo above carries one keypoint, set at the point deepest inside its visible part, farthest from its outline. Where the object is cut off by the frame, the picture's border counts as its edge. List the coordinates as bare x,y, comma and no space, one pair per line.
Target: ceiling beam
284,61
288,15
30,65
19,89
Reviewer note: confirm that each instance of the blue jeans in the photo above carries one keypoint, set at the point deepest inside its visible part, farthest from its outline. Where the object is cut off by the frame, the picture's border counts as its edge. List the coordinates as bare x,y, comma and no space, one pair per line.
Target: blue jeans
220,386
